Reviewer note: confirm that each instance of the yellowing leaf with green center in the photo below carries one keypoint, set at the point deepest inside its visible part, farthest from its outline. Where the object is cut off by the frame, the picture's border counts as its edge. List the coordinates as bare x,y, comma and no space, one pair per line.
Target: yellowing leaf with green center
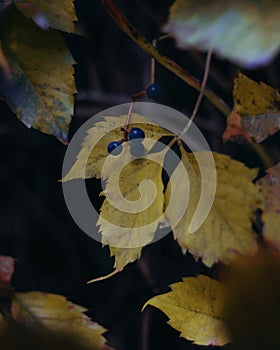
270,190
256,112
58,14
42,86
243,31
195,309
94,152
133,208
227,229
55,313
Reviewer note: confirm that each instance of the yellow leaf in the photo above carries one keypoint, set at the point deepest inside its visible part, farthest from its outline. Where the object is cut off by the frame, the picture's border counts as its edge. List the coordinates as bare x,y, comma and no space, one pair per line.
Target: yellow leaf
58,314
131,214
251,98
92,156
256,111
59,14
270,190
227,229
42,87
195,309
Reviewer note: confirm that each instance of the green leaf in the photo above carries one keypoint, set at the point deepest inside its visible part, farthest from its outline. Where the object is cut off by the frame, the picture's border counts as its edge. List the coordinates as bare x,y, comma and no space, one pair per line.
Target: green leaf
42,86
58,14
195,309
243,31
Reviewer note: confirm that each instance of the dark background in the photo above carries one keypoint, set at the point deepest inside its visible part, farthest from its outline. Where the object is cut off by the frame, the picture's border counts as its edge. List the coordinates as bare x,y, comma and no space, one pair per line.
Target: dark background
52,253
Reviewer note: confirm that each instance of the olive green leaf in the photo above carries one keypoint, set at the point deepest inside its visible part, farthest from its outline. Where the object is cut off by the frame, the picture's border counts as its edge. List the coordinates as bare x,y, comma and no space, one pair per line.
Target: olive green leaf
42,85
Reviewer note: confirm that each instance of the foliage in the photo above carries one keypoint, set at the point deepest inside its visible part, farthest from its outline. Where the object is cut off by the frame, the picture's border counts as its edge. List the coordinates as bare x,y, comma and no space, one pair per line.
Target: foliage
270,187
45,77
252,302
236,199
52,312
245,32
39,88
255,115
195,308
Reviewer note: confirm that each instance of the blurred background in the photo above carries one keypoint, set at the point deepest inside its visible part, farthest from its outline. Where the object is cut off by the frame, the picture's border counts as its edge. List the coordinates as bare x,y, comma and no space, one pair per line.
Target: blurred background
52,253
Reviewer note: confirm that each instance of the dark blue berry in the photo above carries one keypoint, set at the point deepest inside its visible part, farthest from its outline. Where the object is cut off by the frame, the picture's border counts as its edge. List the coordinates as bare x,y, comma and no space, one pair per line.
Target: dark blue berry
137,149
114,148
153,91
136,133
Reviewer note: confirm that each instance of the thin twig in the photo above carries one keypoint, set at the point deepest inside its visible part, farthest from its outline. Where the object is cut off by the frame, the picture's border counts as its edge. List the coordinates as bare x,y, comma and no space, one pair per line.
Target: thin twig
134,97
201,93
153,64
198,101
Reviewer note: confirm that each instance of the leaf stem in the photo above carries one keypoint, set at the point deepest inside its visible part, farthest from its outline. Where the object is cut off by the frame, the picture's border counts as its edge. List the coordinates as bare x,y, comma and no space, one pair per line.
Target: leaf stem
102,278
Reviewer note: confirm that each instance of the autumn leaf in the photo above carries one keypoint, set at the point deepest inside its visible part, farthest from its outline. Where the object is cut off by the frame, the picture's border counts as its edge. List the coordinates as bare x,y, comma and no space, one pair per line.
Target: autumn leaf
270,190
227,230
56,313
6,271
93,153
56,14
195,309
42,86
129,218
252,302
243,31
256,113
7,264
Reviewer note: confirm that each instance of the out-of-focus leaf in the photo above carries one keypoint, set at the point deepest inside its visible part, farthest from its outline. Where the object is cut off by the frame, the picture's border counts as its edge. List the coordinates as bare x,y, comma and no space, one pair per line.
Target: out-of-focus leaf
93,154
256,112
243,31
252,302
270,190
6,271
195,309
42,86
227,231
56,14
14,336
128,220
7,264
55,313
4,64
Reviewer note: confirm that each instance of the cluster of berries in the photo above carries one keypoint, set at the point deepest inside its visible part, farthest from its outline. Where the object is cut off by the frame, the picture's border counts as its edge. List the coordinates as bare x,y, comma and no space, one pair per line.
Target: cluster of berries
136,135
